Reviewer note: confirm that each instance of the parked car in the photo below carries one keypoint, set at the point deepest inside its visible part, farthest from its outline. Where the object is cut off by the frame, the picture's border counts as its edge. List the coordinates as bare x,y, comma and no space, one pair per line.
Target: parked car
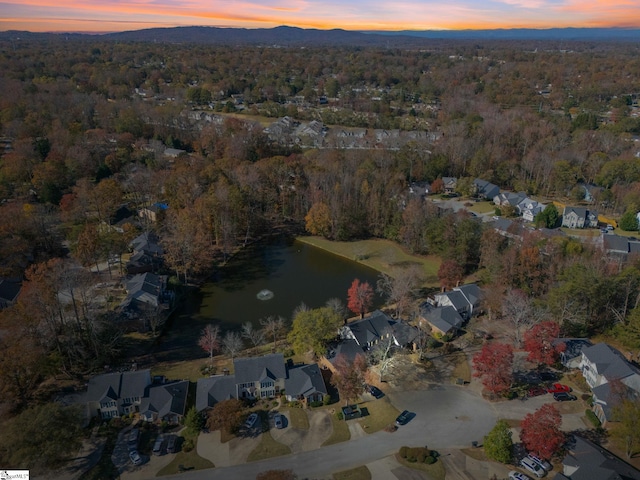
558,387
135,457
132,439
251,420
375,391
543,463
277,421
157,446
171,444
403,418
533,467
513,475
564,397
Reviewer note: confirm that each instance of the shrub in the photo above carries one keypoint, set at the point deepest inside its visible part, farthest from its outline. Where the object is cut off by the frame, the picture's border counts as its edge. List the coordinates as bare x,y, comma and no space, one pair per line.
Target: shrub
187,445
295,404
326,400
430,460
593,418
339,416
403,452
315,404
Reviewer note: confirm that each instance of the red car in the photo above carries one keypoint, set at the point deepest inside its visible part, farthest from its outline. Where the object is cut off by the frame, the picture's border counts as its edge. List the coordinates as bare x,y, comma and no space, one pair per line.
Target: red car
558,388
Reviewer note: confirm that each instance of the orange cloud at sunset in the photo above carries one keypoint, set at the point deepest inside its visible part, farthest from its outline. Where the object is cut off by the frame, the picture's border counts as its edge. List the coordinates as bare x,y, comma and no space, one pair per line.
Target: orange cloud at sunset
118,15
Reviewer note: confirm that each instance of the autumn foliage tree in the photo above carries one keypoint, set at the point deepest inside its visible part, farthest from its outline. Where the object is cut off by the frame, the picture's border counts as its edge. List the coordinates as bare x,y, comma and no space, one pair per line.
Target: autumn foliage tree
360,297
210,340
349,377
494,365
318,220
538,342
450,274
540,431
226,415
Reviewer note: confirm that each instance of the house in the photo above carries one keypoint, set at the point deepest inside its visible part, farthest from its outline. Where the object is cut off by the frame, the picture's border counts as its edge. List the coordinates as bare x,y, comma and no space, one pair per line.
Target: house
586,460
262,377
165,402
464,299
153,212
615,245
443,320
419,189
509,199
378,326
486,190
9,291
147,254
146,293
571,355
449,184
305,383
115,394
529,209
579,217
601,365
347,348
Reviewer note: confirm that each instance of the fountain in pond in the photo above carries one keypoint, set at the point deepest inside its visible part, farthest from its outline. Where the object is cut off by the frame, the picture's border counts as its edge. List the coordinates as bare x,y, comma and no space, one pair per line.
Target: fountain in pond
265,294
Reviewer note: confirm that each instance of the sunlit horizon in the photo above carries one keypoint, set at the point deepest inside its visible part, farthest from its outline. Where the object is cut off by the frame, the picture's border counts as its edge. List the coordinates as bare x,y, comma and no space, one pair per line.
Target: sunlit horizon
72,16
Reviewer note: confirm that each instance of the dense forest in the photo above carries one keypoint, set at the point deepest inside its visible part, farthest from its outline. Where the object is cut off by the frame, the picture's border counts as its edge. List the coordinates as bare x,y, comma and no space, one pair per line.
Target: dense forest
85,124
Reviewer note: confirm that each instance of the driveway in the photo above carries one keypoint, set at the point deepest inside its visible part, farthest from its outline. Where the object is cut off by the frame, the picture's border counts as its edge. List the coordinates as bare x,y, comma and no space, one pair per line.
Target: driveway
304,440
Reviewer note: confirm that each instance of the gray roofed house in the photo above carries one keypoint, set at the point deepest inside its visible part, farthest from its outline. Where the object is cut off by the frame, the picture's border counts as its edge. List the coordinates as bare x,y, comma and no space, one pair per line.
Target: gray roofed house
9,291
115,394
586,460
146,242
572,354
305,383
165,402
349,348
602,364
473,295
444,320
449,184
486,189
146,295
615,244
368,331
463,299
509,198
212,390
579,217
259,377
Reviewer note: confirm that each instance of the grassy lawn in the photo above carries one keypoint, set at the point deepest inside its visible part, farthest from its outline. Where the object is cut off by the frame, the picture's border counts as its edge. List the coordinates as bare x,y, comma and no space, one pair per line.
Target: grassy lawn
340,431
483,207
191,369
478,453
435,470
381,255
358,473
462,369
381,414
189,460
298,418
268,448
582,232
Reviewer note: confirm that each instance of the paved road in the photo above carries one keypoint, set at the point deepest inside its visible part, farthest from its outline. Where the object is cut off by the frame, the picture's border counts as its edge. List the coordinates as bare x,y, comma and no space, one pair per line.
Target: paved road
446,416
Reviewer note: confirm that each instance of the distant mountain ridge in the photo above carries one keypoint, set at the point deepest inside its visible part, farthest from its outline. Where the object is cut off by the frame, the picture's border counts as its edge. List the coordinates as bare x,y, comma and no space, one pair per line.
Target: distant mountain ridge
294,36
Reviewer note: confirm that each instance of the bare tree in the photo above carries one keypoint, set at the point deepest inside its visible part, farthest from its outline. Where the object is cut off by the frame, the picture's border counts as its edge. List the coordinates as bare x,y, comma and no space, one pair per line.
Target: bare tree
382,355
337,306
274,327
400,288
210,340
232,343
518,308
255,336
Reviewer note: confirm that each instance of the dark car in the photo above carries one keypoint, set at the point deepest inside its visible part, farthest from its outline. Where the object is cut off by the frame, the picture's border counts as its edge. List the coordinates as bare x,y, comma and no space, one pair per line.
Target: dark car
564,397
403,418
375,391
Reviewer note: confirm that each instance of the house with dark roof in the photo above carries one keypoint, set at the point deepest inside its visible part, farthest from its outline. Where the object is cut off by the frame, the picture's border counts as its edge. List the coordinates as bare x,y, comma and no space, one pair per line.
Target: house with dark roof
259,377
262,377
146,295
449,184
486,190
369,331
586,460
464,299
166,402
512,199
443,320
146,254
571,354
305,383
114,394
9,291
610,376
579,217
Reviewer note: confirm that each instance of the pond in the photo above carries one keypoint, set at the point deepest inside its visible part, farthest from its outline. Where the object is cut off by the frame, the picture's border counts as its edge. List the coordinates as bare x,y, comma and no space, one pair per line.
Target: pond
264,279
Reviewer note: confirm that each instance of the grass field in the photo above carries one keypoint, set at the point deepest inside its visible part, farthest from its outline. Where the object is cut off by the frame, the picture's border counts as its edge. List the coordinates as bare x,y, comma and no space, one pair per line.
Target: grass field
381,255
298,418
358,473
340,431
436,471
462,369
268,448
190,460
381,414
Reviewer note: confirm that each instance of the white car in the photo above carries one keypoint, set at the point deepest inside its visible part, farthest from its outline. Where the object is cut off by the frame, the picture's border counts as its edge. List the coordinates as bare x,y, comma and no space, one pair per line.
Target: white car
135,457
543,463
251,420
533,467
277,420
513,475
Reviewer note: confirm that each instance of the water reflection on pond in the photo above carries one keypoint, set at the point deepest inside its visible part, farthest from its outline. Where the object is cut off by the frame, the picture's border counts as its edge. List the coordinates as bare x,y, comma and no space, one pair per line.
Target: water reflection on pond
292,271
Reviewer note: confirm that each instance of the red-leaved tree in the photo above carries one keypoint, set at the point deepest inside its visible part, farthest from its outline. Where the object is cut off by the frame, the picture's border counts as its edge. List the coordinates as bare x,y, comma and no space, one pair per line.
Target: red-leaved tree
360,297
494,365
450,274
540,431
349,377
538,342
210,340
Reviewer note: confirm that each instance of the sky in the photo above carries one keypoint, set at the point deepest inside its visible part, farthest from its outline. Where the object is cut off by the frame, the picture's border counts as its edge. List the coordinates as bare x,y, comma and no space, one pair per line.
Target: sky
100,16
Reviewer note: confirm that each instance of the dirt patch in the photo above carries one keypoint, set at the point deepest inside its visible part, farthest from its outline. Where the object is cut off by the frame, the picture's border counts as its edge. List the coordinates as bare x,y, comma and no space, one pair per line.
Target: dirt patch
407,373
